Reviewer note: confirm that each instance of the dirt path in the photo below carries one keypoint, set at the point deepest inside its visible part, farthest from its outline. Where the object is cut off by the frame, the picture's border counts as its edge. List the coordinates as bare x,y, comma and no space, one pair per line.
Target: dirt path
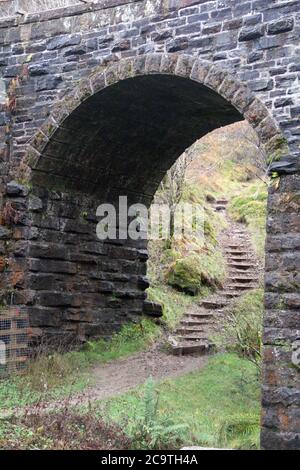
117,377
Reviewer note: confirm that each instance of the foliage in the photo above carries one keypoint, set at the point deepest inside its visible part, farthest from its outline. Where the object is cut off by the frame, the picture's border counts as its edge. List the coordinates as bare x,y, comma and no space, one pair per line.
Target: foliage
133,337
62,430
152,429
243,324
240,431
226,387
195,271
55,375
174,304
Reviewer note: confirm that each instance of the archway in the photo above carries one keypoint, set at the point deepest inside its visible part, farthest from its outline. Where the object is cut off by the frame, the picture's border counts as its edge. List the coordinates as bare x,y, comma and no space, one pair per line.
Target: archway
116,134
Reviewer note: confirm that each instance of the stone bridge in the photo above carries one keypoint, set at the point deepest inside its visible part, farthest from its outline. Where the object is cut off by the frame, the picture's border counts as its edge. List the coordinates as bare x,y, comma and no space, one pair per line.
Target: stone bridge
98,100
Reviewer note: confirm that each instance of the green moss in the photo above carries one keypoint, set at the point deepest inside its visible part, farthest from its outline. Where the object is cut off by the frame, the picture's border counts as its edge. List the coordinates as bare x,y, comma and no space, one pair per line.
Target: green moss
174,304
192,273
276,148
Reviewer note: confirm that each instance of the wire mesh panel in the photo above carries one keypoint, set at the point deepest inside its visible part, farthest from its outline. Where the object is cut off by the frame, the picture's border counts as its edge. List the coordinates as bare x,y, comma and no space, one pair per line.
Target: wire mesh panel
14,335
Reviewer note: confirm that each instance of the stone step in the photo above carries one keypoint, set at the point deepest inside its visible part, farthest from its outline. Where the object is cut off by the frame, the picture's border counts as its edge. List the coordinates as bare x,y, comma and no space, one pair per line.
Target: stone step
200,315
239,259
243,280
241,266
238,246
191,347
196,322
190,329
238,252
232,294
192,337
237,230
236,286
215,304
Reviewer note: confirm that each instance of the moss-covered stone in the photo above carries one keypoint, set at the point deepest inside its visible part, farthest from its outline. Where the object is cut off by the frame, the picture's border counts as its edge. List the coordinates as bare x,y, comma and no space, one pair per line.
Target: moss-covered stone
194,272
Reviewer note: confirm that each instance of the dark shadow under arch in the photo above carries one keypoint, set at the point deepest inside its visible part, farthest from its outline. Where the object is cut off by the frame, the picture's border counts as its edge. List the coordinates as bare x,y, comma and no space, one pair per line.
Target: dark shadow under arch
124,138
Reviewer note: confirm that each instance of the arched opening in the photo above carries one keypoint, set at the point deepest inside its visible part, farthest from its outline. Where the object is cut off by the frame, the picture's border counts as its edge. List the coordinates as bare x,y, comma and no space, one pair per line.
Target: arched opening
129,134
115,135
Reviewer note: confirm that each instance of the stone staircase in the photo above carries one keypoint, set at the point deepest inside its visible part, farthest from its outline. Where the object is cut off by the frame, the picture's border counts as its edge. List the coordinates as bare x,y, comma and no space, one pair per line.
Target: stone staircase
200,320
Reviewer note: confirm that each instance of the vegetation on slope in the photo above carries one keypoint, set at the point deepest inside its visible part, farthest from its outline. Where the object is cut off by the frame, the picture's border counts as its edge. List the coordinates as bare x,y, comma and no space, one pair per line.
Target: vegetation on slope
193,265
58,375
219,406
242,327
249,207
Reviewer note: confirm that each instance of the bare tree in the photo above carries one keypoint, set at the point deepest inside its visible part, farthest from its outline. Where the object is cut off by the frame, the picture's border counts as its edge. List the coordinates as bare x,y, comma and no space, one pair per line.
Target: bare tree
172,186
252,152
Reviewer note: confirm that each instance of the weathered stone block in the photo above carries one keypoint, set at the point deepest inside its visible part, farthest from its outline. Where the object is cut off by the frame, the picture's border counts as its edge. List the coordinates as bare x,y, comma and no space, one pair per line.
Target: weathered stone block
64,41
281,26
152,309
251,32
50,266
5,233
15,189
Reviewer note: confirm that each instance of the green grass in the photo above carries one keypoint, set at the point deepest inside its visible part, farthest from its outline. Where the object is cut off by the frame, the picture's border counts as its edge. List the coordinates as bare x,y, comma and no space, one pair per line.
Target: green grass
250,207
242,327
56,375
196,272
174,303
220,404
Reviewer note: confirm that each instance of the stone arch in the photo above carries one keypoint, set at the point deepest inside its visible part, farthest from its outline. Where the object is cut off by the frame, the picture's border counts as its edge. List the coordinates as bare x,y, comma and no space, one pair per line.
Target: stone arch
220,81
72,284
61,158
62,283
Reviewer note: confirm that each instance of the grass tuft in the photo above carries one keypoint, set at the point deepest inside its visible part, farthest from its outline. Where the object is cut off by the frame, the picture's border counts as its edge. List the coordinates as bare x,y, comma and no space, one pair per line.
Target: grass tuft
228,386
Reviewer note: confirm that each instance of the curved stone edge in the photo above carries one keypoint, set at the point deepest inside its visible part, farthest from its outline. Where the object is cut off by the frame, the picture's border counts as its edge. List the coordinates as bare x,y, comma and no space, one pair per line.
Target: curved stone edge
182,65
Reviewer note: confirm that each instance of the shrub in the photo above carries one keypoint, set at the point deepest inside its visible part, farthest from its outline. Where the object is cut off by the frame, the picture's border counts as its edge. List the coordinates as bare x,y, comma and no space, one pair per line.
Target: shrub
152,429
242,330
240,432
61,430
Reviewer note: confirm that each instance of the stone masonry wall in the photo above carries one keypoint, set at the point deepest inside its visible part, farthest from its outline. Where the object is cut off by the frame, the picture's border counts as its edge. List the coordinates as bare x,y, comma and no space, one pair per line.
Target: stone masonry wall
257,40
281,415
51,262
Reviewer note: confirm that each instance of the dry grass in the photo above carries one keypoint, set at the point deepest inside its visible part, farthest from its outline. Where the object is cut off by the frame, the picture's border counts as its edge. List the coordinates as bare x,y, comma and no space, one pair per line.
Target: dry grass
65,429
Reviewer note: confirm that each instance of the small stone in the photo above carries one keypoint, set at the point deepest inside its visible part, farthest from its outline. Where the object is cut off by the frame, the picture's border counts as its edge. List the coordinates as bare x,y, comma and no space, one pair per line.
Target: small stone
38,69
4,233
178,44
49,83
121,46
15,189
255,56
251,33
281,26
64,41
152,309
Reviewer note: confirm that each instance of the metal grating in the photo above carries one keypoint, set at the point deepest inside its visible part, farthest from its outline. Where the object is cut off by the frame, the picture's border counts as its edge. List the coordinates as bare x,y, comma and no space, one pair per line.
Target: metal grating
14,337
